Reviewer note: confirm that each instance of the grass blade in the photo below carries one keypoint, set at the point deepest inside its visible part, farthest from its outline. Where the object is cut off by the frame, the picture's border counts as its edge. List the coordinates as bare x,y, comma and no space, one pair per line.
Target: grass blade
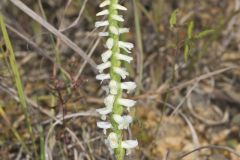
17,79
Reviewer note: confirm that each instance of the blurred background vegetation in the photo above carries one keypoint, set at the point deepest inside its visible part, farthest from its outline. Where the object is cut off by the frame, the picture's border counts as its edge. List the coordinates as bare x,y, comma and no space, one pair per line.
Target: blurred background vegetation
186,67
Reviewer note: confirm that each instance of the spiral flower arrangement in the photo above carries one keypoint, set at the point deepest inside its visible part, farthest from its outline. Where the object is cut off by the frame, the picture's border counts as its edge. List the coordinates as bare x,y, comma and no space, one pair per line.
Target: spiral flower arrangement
114,120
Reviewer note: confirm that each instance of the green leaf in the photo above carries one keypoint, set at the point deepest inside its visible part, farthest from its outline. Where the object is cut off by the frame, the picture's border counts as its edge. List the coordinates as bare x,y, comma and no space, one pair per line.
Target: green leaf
186,51
190,29
173,18
205,33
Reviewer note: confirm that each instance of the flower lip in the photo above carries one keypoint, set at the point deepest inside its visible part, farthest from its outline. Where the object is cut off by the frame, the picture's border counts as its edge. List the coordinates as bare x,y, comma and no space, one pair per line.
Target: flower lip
110,43
120,7
118,18
129,144
121,71
106,55
103,66
109,100
123,121
104,3
103,77
102,13
127,103
129,86
113,86
101,24
113,140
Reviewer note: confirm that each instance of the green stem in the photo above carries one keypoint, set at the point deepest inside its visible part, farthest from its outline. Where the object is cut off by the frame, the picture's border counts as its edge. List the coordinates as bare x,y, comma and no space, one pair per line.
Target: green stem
117,109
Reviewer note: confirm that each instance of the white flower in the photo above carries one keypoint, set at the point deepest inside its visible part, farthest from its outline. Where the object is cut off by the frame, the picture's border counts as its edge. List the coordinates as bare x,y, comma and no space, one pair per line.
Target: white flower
121,71
101,24
104,3
113,86
114,30
104,111
129,144
103,66
123,121
124,57
102,13
129,86
106,55
104,126
109,100
123,30
126,103
119,7
113,140
110,43
103,77
103,34
118,18
125,45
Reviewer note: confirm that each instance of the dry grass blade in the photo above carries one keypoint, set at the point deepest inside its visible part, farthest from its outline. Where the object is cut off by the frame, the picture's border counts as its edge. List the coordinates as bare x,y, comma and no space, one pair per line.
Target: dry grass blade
17,80
53,30
15,133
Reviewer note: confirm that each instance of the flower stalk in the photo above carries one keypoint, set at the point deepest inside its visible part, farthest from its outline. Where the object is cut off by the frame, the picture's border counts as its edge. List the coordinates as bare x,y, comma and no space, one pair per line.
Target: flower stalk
112,114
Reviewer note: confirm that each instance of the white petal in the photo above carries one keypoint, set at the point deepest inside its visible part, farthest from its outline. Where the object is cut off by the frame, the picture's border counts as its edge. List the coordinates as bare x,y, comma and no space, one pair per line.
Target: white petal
109,100
106,55
126,102
103,66
120,7
101,24
117,118
123,30
110,43
122,72
102,13
104,3
118,18
126,45
104,111
103,77
124,57
129,86
113,140
103,34
104,125
113,86
129,144
128,119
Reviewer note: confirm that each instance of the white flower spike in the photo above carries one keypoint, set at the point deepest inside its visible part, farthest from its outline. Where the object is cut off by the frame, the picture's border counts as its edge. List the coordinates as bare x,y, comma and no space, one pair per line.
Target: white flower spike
112,63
